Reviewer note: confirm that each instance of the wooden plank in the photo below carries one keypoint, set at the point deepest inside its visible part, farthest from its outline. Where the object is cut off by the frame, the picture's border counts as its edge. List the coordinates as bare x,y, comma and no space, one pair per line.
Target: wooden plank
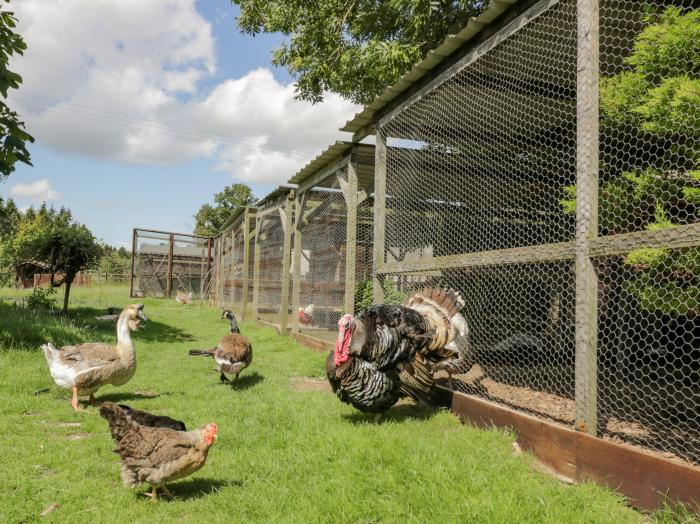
350,192
133,263
676,237
647,480
587,165
551,443
325,173
172,233
247,217
317,344
296,260
517,255
286,259
379,218
208,273
171,245
256,265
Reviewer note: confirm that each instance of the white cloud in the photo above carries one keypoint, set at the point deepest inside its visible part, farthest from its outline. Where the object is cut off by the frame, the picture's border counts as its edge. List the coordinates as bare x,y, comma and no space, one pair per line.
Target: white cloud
125,84
39,191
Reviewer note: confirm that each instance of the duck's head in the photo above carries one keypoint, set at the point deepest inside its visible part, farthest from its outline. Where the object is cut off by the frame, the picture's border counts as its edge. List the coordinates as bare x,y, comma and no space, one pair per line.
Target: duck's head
134,316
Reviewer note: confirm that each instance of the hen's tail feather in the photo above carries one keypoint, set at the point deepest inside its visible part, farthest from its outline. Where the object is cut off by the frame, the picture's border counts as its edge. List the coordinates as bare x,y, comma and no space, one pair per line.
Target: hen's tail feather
202,352
119,423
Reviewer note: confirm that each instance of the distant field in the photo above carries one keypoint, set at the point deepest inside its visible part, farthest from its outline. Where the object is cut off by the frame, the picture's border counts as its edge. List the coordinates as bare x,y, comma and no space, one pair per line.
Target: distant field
287,450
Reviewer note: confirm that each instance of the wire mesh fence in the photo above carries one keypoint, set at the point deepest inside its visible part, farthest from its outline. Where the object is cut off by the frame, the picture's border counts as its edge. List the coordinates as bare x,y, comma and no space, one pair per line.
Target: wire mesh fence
272,282
234,267
482,196
167,264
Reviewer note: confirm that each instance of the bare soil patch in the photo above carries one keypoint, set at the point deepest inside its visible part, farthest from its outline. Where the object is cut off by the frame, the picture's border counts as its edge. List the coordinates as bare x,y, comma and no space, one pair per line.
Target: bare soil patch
310,384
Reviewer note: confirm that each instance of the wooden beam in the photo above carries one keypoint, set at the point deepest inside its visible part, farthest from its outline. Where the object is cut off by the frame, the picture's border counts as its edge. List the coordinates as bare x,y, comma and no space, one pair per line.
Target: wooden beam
169,284
172,233
286,260
351,197
256,265
676,237
133,263
379,217
587,165
296,260
325,173
649,481
247,217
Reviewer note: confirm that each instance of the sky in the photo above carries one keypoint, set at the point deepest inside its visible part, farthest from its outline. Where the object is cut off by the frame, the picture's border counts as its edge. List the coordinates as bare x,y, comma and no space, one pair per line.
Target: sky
143,110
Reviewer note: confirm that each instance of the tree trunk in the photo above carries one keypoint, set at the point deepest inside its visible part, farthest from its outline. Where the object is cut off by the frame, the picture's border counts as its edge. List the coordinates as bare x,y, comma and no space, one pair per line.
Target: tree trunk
66,295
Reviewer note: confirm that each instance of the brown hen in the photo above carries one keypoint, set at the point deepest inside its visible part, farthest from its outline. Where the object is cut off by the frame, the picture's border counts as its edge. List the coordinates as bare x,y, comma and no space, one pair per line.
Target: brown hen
156,455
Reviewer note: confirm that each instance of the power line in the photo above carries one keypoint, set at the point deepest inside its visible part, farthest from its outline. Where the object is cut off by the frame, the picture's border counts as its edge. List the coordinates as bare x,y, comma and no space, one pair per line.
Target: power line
125,120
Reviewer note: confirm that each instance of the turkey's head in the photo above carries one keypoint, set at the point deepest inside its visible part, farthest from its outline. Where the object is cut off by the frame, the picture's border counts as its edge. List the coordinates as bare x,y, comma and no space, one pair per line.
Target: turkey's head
346,327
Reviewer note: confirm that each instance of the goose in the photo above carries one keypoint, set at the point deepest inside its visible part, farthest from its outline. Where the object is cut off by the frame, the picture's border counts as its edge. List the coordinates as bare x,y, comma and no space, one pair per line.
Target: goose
85,368
233,353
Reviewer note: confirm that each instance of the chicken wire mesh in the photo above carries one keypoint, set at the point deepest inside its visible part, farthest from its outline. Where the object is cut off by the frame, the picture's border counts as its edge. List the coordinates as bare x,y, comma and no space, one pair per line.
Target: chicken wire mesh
270,263
325,249
481,197
166,264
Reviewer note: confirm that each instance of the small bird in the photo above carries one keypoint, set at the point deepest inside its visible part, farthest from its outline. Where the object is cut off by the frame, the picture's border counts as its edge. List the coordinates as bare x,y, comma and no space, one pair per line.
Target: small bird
184,298
144,418
306,315
156,455
232,354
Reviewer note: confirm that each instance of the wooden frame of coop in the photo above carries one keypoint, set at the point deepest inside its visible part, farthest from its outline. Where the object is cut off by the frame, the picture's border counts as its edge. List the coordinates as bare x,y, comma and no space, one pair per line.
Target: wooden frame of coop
332,241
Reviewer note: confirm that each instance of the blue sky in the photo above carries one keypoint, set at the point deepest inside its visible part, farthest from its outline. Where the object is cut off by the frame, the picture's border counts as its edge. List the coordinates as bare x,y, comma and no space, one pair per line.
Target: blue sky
142,113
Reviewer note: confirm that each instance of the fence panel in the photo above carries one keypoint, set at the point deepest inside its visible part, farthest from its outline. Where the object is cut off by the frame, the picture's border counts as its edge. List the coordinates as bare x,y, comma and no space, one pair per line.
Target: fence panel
481,196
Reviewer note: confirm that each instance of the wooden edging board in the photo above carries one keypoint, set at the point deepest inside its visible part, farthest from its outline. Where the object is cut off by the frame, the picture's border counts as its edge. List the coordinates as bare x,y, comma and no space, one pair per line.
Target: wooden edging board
645,479
317,344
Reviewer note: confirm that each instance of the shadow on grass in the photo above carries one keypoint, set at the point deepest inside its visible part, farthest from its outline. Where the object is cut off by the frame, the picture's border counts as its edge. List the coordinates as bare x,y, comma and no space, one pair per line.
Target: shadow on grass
23,329
401,413
127,396
200,487
247,381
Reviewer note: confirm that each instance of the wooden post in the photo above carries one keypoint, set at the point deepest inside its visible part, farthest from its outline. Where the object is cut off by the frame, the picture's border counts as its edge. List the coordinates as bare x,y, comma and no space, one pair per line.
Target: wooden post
286,259
256,265
247,236
587,162
169,284
296,260
133,262
208,273
350,237
221,275
379,216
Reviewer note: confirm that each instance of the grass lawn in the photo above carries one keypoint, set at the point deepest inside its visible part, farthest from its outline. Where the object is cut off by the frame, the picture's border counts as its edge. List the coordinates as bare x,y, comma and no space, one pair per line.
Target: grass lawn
283,455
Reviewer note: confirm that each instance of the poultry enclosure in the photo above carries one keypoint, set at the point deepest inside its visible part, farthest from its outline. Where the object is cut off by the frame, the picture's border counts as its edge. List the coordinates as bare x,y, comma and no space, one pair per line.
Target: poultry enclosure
332,242
164,263
582,292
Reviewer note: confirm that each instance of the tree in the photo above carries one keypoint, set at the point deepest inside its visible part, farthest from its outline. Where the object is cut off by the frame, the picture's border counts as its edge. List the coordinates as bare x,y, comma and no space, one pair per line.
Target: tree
13,137
51,239
353,47
115,261
655,102
210,219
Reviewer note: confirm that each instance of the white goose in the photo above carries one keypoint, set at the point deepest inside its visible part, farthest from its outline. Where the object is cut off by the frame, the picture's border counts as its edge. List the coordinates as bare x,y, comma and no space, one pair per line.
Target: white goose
85,368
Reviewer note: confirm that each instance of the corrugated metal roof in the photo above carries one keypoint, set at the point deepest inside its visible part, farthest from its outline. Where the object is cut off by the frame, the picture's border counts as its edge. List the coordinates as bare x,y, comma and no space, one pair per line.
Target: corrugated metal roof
333,153
431,60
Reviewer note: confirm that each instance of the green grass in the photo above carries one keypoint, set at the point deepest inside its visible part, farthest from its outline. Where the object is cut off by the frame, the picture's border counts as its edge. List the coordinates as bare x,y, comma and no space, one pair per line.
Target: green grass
282,455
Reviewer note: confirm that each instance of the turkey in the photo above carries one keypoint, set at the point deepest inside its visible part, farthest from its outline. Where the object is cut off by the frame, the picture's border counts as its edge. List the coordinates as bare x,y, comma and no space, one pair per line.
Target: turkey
387,351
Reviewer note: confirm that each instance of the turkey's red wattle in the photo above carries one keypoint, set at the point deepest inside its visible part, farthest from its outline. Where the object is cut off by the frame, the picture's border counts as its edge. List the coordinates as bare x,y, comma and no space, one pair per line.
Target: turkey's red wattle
342,343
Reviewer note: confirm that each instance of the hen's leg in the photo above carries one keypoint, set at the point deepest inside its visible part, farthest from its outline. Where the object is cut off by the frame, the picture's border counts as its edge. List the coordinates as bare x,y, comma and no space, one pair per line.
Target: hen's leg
153,494
236,378
378,417
167,491
74,400
92,400
223,378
